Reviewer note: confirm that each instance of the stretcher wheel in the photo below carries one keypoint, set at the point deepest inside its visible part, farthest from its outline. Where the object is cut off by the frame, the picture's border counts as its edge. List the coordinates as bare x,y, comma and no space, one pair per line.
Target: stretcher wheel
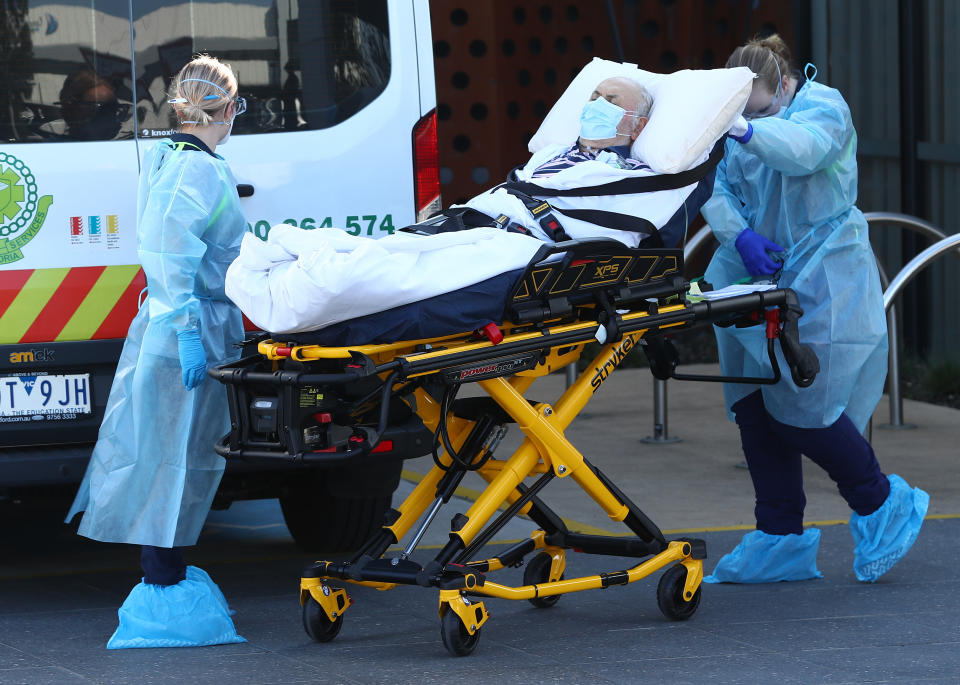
538,571
315,622
456,638
670,595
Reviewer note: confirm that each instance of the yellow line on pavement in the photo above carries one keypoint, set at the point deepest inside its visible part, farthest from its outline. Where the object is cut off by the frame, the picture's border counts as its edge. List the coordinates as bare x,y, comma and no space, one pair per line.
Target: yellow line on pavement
579,527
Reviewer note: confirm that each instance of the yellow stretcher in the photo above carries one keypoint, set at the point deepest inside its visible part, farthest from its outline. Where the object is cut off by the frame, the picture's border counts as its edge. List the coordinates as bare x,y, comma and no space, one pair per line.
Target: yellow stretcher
317,404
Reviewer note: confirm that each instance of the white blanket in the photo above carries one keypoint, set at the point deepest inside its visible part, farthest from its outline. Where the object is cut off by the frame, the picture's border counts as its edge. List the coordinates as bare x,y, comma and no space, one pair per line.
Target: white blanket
304,280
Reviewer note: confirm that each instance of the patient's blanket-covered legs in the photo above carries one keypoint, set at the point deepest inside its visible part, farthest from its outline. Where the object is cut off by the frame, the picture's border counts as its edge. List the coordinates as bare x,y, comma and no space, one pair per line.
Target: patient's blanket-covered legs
304,280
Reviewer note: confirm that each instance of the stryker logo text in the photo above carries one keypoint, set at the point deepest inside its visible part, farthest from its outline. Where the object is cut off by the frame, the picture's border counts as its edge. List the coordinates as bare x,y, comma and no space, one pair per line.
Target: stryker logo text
618,356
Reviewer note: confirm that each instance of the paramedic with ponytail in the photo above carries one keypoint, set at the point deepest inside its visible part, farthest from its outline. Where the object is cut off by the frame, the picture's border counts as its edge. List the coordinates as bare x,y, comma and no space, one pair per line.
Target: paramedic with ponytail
783,209
153,472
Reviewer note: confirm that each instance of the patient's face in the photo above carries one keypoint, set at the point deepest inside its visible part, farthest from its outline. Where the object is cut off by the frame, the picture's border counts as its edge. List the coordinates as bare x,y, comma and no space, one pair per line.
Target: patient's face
622,93
615,92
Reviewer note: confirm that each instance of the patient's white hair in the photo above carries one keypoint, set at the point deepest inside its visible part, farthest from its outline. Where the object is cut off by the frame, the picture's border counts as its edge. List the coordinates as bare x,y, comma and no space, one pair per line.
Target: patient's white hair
644,101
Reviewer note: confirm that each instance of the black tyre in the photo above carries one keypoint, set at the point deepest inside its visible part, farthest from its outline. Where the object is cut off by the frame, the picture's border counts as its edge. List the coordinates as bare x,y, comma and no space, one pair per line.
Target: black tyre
670,597
456,638
337,510
315,621
538,571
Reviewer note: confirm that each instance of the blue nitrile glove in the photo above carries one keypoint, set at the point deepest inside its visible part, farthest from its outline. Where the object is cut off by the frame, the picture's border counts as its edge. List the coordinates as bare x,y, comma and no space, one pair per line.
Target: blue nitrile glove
741,131
193,359
753,249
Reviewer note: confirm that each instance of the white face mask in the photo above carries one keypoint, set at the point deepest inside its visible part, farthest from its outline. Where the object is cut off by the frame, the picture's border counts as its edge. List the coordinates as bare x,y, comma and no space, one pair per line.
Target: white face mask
240,106
223,141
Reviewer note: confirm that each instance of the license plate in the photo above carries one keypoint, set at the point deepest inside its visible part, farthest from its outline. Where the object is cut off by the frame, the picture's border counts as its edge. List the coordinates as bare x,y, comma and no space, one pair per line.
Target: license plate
39,398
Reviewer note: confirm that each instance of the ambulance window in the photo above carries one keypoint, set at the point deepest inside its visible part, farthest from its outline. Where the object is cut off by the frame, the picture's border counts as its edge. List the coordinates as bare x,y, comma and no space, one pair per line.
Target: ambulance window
301,64
65,70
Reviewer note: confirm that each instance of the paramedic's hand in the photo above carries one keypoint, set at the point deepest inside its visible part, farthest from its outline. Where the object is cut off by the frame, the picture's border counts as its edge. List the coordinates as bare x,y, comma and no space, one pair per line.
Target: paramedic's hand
753,249
193,360
742,130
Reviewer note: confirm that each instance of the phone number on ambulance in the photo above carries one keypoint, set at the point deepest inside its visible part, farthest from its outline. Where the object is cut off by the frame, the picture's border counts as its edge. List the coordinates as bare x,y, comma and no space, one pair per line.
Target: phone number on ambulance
360,224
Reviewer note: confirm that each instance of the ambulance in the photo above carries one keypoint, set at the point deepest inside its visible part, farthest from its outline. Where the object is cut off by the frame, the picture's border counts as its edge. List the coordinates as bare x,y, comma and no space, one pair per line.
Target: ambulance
339,132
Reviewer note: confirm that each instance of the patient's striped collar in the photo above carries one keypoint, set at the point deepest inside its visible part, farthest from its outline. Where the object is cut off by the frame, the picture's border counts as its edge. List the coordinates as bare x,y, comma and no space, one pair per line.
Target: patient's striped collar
618,156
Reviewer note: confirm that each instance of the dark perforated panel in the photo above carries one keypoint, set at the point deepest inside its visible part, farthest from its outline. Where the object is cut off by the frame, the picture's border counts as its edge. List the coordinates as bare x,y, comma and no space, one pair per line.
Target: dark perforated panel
500,65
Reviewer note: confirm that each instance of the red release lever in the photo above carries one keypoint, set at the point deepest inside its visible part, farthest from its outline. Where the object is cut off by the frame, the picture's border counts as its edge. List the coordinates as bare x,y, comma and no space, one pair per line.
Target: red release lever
773,323
493,333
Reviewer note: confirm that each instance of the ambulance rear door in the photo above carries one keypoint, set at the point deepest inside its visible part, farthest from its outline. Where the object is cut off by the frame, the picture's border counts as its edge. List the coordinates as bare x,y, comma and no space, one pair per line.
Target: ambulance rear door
69,277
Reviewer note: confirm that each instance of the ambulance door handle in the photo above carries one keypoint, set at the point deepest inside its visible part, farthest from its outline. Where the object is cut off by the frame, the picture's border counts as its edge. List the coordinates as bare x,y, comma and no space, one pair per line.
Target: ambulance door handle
244,189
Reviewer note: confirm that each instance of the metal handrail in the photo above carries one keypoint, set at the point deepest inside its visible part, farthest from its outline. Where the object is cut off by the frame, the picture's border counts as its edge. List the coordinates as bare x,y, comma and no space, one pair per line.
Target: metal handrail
894,394
914,266
700,237
912,222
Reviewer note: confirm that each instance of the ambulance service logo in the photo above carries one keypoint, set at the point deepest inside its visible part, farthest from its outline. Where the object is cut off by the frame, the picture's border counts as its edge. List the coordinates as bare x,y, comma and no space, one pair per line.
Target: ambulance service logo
22,209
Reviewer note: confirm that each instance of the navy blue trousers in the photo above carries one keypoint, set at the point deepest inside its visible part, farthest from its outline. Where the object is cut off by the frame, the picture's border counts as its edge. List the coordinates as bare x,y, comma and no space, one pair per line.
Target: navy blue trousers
773,451
162,565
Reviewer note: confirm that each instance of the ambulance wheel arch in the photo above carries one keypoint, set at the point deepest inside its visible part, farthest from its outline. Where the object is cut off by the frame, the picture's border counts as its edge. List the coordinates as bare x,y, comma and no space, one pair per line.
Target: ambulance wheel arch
337,510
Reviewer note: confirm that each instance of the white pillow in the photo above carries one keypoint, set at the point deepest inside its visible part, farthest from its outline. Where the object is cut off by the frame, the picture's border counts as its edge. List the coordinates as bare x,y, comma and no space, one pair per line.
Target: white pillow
691,110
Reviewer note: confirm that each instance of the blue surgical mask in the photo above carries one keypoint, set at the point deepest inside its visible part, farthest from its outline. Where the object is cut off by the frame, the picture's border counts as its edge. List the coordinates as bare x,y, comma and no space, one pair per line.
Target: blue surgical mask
599,120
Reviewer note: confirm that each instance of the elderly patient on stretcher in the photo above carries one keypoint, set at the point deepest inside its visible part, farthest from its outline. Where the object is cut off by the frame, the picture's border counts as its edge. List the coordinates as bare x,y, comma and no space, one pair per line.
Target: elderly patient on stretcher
580,183
610,121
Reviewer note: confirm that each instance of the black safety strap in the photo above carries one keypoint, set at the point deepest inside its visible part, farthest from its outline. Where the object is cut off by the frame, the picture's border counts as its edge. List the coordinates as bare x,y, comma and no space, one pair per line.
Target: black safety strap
614,220
626,186
542,213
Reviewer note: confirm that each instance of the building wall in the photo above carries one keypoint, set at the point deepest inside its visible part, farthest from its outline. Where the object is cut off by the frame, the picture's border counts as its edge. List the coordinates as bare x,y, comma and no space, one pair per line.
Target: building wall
860,45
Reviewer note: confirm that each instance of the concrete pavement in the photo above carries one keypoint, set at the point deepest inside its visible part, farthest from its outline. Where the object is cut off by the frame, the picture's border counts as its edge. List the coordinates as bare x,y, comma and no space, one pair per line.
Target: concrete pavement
59,593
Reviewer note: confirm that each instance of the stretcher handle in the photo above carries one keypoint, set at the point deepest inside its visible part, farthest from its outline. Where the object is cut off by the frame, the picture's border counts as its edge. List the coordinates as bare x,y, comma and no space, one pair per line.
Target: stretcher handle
230,375
802,360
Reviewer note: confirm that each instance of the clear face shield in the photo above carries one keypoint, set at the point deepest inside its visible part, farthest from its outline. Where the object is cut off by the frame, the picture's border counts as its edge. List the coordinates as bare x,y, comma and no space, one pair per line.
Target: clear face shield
774,105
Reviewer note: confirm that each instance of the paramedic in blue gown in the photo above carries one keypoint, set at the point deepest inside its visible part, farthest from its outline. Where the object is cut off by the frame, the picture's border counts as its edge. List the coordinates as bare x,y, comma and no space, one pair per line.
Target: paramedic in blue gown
783,209
153,472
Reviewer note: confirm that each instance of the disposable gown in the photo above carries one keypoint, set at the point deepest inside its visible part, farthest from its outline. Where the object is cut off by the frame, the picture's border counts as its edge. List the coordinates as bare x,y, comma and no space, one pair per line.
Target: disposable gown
795,182
153,472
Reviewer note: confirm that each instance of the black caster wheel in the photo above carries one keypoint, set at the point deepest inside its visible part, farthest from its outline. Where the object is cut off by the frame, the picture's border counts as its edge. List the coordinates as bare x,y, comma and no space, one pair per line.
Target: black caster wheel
315,622
538,571
670,597
456,638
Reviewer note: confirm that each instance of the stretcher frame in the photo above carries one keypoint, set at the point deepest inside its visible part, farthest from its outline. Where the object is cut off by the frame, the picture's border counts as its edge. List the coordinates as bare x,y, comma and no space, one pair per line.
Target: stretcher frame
545,335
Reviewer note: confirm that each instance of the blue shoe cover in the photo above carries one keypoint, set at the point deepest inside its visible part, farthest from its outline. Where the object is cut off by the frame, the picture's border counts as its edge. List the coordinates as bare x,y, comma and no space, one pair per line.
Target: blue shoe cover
764,558
196,573
192,613
882,538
